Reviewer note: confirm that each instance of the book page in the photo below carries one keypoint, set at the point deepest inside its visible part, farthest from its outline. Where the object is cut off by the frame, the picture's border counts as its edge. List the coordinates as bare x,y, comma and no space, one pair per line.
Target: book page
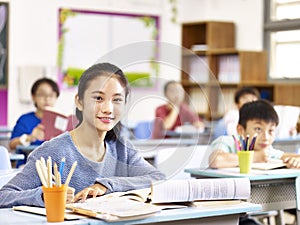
270,165
201,189
119,207
140,195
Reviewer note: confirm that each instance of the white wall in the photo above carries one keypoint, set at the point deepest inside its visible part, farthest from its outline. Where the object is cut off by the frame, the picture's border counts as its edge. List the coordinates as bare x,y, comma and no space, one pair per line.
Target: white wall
33,38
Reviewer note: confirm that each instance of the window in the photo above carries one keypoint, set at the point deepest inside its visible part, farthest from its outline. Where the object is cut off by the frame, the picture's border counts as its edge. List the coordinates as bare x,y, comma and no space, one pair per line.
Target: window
282,38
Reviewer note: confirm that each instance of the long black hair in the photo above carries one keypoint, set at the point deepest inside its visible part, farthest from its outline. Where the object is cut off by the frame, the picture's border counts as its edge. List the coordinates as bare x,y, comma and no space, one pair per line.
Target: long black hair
88,76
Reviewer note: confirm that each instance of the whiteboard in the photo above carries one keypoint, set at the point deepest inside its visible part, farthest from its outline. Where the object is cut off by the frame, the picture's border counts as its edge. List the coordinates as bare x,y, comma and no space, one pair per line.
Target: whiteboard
87,37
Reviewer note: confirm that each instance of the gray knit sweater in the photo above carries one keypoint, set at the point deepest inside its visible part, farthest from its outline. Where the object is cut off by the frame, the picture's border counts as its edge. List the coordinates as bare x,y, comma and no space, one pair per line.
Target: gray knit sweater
122,169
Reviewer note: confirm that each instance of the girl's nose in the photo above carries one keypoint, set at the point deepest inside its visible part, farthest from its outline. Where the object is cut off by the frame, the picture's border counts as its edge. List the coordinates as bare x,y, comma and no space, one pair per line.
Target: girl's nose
107,107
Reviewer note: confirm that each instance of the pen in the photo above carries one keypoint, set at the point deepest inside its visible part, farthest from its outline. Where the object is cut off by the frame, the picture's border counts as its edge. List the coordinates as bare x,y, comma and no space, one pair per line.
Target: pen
62,165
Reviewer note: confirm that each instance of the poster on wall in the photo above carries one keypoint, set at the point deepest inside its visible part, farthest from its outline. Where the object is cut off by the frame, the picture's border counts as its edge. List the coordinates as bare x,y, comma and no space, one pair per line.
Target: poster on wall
3,43
129,41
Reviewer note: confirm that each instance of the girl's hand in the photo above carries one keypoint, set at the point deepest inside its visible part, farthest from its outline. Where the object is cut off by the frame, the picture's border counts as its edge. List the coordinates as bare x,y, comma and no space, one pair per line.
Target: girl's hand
292,162
93,191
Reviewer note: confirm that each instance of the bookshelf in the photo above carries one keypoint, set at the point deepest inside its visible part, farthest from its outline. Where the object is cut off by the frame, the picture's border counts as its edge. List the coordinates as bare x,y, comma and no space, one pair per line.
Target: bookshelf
212,68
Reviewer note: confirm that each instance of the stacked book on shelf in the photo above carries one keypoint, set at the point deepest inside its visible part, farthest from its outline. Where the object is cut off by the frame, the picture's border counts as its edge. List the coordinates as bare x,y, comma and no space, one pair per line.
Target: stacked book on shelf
199,71
229,69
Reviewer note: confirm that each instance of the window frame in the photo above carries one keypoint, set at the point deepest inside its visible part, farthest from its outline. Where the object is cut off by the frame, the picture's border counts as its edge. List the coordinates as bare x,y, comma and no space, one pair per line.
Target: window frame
270,26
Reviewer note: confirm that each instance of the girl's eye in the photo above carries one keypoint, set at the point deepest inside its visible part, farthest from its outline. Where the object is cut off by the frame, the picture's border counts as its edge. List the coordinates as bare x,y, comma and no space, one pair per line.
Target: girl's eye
118,99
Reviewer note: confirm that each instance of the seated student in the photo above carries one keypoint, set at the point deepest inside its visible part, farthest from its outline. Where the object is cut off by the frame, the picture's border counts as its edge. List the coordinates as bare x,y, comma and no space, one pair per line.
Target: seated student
28,130
258,117
175,113
227,125
105,163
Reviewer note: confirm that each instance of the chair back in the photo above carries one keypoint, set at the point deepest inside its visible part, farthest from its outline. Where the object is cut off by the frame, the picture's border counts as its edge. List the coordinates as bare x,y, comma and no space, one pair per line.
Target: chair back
5,163
143,130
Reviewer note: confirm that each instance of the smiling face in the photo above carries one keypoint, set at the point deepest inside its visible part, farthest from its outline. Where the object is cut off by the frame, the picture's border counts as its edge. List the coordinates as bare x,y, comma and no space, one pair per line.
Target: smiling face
265,133
103,103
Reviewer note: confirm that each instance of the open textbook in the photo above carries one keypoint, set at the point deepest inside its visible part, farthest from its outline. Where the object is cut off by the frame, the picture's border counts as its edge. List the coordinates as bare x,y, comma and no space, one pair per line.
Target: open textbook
114,208
57,122
270,165
132,204
200,189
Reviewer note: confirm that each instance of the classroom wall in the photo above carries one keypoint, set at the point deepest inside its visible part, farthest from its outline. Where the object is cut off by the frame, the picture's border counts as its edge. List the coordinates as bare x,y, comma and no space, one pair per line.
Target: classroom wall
33,38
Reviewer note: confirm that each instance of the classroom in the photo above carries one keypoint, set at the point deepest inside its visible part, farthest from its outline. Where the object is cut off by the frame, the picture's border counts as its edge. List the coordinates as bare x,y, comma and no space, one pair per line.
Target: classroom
192,66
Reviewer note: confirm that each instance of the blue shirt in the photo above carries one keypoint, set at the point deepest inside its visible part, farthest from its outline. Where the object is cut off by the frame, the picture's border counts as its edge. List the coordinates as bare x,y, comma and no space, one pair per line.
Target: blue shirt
121,169
25,125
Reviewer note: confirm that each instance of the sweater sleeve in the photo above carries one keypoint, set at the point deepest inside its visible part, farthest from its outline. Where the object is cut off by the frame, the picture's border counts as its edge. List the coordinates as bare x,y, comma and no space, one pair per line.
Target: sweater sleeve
135,173
23,189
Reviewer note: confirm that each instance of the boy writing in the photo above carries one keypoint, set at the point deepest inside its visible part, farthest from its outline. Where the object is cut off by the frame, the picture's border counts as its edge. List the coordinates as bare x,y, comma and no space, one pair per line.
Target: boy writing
255,118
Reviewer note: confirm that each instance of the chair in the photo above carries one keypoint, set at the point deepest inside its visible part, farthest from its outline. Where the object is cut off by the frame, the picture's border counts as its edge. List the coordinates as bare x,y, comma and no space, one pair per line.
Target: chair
5,163
143,130
172,161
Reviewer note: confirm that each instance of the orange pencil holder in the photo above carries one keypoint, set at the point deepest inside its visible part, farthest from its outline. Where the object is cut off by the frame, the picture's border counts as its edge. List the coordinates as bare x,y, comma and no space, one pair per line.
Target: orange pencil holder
55,203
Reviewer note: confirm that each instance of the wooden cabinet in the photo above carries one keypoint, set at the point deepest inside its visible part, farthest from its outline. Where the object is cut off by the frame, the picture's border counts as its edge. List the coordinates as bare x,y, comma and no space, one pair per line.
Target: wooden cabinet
212,69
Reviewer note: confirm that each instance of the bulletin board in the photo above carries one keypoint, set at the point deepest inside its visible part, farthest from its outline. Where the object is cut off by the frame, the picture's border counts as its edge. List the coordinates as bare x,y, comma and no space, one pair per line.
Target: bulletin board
87,37
3,43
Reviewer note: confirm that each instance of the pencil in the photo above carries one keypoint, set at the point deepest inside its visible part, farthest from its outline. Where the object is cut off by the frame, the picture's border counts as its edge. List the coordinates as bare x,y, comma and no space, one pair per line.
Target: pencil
236,142
56,175
251,147
49,170
247,142
71,173
40,173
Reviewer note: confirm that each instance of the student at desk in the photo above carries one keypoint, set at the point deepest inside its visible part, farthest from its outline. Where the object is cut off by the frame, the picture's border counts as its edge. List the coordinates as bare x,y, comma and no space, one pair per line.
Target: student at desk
227,125
175,113
28,130
105,162
255,118
260,118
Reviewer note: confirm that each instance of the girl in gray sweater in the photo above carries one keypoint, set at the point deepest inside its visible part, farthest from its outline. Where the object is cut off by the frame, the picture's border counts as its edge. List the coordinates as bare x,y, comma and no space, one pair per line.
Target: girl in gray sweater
105,161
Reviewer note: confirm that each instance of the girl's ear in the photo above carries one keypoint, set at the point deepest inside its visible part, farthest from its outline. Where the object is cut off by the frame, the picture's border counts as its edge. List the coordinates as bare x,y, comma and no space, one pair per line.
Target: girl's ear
78,103
240,129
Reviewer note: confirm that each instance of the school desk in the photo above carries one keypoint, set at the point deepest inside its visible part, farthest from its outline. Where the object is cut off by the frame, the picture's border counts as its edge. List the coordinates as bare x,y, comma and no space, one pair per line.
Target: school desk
213,215
273,189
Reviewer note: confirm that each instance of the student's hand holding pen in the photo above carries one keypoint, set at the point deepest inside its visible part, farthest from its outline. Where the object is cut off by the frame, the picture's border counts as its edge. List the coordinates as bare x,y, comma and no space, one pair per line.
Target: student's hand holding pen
91,191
